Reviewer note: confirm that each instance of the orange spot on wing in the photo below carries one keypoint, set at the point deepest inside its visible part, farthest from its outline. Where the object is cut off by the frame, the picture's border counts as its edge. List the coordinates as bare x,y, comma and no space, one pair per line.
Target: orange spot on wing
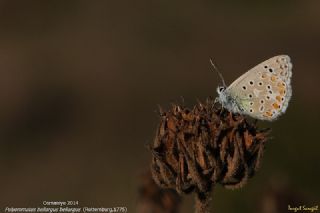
268,114
282,92
278,98
276,106
281,85
273,78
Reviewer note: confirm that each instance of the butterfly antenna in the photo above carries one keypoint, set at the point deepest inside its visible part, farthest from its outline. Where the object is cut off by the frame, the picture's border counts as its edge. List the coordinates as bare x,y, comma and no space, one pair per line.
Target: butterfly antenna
219,73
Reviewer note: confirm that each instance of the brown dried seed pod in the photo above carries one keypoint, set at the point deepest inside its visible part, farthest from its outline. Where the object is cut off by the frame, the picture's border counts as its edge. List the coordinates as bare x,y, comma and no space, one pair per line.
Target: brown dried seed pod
195,149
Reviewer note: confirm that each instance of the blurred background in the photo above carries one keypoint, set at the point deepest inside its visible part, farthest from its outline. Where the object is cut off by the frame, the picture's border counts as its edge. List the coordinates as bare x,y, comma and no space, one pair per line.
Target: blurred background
80,82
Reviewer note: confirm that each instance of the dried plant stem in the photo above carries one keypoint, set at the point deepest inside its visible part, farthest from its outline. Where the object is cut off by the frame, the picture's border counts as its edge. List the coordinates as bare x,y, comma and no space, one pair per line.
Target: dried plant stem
202,202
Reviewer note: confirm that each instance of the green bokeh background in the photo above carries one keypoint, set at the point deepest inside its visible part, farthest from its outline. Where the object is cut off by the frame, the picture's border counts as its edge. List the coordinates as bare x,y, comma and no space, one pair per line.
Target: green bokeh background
80,82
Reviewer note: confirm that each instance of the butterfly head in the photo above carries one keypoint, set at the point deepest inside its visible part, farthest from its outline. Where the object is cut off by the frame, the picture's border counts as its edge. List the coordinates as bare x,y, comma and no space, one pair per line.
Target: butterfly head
222,96
221,89
227,100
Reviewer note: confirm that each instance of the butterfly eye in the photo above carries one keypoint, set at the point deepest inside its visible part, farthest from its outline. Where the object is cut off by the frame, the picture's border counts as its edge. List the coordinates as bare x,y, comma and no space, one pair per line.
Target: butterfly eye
270,70
221,89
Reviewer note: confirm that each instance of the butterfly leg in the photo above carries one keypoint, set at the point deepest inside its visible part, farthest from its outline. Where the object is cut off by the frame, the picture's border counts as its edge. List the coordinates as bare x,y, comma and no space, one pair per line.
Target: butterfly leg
216,100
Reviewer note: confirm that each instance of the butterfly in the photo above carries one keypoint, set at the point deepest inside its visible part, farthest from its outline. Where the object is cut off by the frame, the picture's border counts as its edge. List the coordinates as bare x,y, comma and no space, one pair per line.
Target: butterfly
263,92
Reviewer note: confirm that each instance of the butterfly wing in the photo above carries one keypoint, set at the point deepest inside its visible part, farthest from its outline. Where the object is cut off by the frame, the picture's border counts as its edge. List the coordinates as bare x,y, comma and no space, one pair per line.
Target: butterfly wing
265,90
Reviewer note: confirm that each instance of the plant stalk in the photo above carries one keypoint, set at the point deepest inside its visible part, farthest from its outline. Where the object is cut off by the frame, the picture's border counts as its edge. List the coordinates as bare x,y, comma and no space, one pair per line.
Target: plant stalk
202,202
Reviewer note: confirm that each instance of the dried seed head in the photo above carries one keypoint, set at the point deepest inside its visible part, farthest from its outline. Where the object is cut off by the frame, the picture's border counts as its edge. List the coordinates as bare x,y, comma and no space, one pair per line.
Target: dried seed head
195,149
